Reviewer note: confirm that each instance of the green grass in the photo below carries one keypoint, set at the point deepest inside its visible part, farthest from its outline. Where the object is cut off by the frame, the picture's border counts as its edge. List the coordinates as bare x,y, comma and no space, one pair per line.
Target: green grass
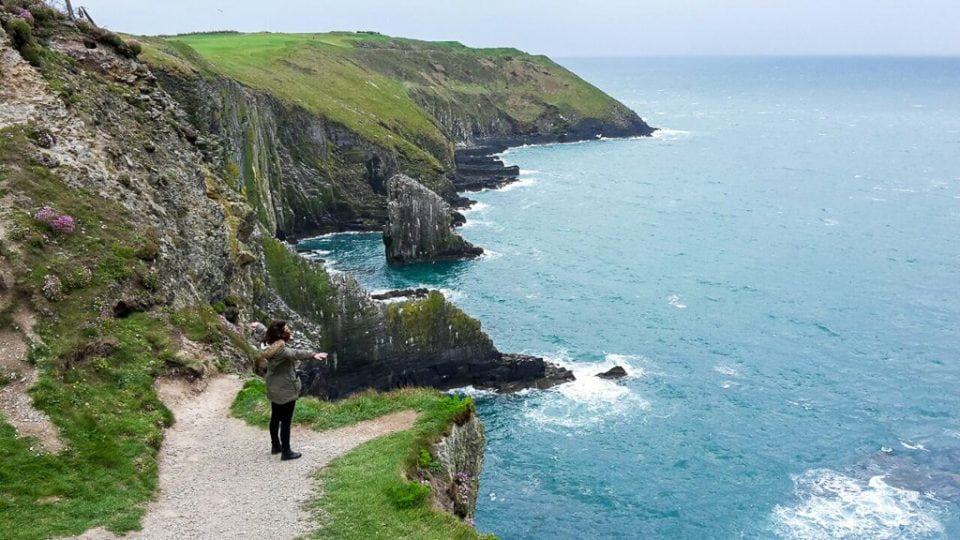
110,417
95,373
365,492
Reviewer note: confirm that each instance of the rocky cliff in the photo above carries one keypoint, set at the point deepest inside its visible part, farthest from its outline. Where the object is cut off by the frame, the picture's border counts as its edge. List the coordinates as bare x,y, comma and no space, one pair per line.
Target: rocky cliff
454,472
310,126
420,225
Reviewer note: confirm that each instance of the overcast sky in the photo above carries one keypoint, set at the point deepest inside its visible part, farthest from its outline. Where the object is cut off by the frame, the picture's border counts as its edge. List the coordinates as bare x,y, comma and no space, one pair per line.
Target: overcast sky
580,27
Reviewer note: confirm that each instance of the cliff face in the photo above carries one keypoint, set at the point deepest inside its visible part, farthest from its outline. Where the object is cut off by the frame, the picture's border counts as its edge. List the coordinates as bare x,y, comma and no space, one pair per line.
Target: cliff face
299,171
458,456
419,226
310,126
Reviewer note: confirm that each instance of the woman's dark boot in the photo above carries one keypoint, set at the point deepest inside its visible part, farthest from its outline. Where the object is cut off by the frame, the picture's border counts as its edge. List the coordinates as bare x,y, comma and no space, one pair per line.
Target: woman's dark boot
289,454
275,448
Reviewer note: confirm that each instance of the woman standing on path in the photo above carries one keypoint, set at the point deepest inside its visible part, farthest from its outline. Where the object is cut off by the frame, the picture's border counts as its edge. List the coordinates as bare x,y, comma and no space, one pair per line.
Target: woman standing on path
283,385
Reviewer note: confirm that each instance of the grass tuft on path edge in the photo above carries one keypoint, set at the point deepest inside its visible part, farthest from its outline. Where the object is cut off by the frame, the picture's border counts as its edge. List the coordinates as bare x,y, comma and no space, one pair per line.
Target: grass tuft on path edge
359,490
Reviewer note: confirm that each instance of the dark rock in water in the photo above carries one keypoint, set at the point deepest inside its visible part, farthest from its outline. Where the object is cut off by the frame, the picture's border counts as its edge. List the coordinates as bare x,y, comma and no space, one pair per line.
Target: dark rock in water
452,369
616,372
457,219
516,372
461,202
402,293
478,168
930,471
419,225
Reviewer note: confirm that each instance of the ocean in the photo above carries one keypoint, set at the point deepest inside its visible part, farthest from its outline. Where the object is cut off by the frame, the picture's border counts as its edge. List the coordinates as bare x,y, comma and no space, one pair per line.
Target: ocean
778,270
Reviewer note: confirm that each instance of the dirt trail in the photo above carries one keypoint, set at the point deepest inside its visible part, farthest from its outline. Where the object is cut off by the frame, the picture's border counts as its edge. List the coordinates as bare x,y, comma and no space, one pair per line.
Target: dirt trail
18,376
218,479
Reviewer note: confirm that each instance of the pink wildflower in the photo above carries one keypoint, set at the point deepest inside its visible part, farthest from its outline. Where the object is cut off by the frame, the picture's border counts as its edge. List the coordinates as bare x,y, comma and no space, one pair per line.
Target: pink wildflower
63,224
45,215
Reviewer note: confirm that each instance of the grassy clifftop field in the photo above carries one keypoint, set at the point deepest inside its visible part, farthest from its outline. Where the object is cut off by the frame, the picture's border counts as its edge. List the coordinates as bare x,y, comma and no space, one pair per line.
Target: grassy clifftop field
393,90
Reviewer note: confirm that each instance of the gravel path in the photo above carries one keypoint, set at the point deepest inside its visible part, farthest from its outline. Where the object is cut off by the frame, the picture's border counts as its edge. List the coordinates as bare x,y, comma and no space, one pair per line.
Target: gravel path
218,479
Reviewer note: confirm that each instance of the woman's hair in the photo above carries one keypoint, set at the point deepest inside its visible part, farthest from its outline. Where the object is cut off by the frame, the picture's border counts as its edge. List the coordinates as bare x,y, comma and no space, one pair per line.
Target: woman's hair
275,332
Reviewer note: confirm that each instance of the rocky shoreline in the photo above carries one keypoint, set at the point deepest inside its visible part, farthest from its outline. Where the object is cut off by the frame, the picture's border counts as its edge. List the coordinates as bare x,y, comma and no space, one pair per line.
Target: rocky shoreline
479,167
420,229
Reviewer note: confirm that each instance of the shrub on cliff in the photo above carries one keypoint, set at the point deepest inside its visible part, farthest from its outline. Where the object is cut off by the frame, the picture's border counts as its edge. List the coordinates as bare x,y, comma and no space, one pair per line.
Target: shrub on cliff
21,34
408,494
133,49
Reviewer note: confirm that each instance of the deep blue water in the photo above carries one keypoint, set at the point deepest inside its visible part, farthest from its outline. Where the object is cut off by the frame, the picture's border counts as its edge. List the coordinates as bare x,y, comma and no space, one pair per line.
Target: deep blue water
779,270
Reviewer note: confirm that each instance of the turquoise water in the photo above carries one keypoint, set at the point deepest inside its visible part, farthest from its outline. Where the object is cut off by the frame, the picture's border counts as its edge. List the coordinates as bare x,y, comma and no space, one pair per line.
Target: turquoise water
779,271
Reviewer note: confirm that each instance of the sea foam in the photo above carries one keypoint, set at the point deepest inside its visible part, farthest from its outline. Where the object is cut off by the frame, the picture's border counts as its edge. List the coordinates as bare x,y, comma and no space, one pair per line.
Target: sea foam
475,208
668,134
833,505
523,182
589,400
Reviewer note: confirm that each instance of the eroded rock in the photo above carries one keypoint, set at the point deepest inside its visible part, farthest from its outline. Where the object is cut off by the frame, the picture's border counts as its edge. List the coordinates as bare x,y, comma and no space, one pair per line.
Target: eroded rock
420,225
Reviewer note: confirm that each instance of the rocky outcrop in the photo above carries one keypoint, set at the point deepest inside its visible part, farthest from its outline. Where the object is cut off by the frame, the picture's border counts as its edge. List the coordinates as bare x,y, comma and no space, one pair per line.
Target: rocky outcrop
478,168
385,344
422,342
420,226
458,461
616,372
404,294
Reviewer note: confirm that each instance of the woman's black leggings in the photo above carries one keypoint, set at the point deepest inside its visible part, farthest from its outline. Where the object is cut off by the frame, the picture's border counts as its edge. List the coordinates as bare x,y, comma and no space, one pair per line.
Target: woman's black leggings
280,417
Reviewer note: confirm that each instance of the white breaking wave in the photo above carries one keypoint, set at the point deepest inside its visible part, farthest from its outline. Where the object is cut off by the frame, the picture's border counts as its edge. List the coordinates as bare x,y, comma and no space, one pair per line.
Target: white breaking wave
589,400
674,300
668,134
724,369
490,254
915,446
471,223
314,255
477,207
833,505
472,392
523,182
452,295
527,172
333,234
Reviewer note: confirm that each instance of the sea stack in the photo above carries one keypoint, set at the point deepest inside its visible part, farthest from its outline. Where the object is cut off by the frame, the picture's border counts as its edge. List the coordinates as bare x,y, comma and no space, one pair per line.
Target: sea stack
420,225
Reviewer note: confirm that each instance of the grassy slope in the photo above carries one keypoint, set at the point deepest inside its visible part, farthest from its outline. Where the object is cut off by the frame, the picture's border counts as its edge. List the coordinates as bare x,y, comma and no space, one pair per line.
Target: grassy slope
105,407
367,81
361,489
103,403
